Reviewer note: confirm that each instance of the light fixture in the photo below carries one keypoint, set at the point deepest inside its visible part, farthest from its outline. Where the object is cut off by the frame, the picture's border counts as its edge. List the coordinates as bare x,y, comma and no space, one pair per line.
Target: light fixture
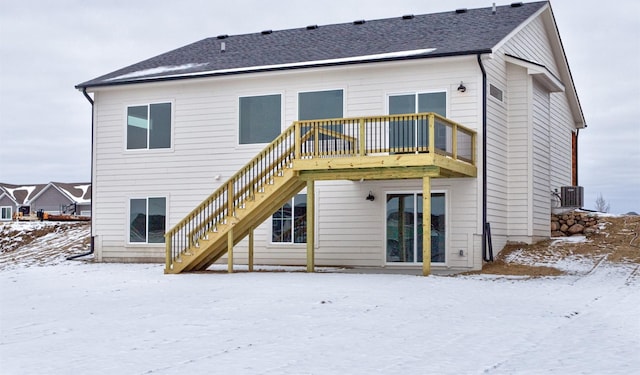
462,87
370,197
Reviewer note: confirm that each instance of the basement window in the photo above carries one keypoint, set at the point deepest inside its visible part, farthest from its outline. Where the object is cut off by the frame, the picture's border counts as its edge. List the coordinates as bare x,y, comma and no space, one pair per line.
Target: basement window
289,223
147,220
495,92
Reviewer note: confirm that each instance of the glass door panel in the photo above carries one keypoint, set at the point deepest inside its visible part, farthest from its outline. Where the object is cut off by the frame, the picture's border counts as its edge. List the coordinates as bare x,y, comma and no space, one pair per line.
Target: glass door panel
404,228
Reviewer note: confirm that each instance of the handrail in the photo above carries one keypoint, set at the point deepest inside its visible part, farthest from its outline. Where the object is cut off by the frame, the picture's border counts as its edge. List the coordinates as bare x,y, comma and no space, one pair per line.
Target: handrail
339,137
221,204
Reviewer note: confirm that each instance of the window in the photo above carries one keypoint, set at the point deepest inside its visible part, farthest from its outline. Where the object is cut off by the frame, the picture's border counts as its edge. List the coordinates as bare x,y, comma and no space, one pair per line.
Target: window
290,225
318,105
405,134
260,118
147,218
6,213
495,92
149,126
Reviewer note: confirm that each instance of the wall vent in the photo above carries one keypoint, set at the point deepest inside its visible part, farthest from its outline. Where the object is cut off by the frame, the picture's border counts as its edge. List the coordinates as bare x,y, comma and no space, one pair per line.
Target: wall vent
571,196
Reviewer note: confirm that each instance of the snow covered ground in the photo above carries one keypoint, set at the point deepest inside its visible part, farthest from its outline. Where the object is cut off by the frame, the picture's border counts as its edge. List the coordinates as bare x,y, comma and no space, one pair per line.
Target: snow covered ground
83,318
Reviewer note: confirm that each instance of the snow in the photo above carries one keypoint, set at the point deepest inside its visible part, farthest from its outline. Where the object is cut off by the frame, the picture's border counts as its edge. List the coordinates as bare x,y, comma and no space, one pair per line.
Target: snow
29,190
157,70
76,199
381,56
97,318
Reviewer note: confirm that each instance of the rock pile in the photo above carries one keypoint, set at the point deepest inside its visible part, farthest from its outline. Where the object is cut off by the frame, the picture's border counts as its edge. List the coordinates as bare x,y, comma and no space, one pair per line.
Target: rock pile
573,224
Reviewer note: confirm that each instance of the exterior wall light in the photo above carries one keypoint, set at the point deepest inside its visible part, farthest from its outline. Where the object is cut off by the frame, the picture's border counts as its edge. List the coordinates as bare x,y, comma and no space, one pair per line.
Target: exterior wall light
370,197
462,87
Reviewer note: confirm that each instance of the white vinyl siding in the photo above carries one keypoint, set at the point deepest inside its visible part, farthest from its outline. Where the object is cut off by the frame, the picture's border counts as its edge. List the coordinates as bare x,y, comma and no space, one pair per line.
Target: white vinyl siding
541,161
205,153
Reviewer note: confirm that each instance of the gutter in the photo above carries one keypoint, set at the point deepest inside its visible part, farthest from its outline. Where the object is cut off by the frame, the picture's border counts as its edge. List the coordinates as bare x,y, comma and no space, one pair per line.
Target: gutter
273,68
487,253
91,248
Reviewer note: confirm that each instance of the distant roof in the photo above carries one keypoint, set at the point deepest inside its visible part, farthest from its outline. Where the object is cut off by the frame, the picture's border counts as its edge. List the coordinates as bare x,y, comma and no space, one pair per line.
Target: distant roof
24,194
460,32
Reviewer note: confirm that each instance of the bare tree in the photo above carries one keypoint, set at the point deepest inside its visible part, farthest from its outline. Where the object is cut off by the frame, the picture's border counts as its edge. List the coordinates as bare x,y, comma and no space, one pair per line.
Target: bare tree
601,204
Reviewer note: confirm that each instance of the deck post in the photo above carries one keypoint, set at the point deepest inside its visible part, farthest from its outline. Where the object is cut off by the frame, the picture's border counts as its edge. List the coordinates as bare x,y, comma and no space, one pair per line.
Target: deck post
230,251
251,249
298,140
432,133
363,133
167,257
230,198
310,225
426,225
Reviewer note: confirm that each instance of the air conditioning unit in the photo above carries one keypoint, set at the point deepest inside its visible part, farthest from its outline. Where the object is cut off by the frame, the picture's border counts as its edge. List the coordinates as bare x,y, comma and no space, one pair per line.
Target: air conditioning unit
571,196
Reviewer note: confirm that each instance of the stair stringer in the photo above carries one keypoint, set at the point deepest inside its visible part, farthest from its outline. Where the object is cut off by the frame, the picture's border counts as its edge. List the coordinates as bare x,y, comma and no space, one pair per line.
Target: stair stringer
253,213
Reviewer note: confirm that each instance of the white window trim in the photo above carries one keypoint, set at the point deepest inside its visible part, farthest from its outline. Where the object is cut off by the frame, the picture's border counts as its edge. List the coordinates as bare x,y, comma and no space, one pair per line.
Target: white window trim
237,119
10,213
447,229
128,216
148,150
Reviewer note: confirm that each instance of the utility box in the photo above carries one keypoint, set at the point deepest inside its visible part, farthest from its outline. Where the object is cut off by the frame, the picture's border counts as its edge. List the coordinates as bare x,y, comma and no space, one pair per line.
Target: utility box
571,196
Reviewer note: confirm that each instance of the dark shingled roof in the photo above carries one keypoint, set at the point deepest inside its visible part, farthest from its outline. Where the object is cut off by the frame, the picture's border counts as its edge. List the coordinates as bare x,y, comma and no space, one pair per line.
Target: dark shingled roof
448,33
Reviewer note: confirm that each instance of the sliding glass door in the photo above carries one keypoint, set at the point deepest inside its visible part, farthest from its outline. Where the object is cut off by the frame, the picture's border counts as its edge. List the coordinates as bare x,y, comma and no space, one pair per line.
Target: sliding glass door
404,228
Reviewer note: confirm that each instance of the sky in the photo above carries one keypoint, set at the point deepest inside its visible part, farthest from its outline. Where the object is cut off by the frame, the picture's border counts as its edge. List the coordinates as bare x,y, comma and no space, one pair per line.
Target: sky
47,47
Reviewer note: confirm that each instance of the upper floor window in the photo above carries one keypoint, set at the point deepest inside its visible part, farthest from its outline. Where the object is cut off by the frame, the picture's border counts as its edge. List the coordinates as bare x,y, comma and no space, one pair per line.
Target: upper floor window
149,126
260,118
318,105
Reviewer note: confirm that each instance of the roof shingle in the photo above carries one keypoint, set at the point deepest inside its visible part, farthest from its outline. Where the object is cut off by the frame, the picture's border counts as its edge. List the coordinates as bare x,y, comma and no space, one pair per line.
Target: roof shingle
448,33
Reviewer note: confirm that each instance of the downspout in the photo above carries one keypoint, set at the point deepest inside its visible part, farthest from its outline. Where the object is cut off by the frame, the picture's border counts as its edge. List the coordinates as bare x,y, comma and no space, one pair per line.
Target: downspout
487,254
91,248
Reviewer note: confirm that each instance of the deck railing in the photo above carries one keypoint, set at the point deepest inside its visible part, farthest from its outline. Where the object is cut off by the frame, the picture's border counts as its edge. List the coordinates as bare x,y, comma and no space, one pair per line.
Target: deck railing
345,137
384,135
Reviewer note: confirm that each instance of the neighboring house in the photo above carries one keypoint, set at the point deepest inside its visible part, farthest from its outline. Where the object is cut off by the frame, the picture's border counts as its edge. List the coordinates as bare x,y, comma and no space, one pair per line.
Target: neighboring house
17,197
63,198
197,143
53,198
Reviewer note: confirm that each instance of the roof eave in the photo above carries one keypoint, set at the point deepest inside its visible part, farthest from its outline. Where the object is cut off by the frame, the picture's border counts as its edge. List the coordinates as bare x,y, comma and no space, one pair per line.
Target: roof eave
87,85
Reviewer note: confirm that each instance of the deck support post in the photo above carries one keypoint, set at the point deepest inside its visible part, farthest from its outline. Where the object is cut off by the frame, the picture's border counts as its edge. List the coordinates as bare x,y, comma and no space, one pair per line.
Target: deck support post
310,225
230,251
251,249
426,225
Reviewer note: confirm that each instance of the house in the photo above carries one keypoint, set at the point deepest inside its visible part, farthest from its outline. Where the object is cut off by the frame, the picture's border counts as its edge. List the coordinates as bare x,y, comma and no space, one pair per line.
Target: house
53,198
326,145
63,198
14,199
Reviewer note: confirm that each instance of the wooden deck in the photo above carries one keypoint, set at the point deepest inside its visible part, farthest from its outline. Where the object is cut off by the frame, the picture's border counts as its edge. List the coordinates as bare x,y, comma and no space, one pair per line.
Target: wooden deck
412,146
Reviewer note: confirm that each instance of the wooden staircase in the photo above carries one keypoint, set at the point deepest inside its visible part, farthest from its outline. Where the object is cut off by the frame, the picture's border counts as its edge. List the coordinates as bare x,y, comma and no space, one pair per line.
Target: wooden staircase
346,148
214,244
